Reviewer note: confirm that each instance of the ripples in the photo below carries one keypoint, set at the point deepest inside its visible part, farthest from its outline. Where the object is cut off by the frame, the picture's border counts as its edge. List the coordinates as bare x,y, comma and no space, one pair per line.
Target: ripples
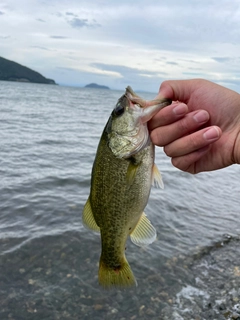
49,136
48,143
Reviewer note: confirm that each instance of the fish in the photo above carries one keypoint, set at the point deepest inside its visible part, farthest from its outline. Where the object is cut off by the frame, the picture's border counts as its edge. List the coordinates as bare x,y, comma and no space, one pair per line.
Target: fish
122,174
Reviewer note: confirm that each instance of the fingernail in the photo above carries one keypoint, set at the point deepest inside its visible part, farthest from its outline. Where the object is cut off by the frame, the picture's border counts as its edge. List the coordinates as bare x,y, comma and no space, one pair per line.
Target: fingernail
211,134
180,109
201,116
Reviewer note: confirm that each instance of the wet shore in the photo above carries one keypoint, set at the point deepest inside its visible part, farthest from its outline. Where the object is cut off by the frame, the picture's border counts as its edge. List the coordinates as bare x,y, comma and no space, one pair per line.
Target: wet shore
46,279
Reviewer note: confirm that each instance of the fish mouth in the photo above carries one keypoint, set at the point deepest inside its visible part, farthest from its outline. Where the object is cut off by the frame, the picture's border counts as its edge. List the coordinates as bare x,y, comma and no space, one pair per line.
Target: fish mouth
135,99
147,108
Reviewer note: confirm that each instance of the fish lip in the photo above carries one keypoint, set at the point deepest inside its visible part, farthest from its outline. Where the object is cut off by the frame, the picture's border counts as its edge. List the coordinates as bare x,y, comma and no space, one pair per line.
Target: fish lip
144,109
134,99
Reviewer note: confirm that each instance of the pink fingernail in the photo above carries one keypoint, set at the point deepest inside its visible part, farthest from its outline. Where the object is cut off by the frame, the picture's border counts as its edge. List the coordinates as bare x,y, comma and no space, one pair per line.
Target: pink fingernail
211,134
180,109
201,116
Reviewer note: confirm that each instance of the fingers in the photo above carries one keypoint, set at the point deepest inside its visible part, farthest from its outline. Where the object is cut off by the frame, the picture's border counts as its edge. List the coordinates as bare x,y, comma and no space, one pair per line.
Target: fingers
193,142
190,162
168,133
180,90
168,115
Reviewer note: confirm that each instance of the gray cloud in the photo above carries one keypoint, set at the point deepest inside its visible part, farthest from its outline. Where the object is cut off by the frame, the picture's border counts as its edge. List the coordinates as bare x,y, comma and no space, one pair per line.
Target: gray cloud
230,83
59,37
172,63
139,79
41,48
126,71
41,20
80,23
222,59
5,37
1,13
71,14
130,76
195,74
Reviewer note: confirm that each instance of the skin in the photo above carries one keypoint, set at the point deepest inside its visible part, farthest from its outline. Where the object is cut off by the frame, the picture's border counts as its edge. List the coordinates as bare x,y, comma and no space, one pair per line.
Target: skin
200,129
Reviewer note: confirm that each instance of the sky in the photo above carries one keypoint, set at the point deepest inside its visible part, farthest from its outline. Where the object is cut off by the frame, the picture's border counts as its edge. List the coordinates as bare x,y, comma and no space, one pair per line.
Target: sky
119,43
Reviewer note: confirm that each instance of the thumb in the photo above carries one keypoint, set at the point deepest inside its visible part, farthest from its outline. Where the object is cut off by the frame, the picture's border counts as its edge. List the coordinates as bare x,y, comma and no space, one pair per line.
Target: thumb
178,90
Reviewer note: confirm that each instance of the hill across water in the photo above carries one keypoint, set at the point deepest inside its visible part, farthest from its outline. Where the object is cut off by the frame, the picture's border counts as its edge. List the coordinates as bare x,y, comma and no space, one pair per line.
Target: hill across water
12,71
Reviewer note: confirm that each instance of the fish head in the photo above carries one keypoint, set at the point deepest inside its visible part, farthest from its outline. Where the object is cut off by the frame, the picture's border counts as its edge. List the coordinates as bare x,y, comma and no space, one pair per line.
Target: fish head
127,126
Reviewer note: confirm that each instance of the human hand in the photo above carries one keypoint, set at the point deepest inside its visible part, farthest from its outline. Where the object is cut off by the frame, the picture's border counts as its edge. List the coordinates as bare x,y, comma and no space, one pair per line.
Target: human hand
200,131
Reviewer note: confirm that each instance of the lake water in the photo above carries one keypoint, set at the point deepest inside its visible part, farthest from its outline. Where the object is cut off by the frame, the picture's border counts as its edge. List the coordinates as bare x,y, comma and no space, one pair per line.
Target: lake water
49,261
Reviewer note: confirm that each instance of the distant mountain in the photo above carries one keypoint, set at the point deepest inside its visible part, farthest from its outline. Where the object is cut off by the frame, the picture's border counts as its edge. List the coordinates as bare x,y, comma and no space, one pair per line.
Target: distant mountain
96,86
12,71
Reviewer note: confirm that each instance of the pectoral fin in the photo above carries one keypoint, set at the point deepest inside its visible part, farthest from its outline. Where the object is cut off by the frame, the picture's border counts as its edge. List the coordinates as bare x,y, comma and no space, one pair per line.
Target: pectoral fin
157,177
131,172
144,233
88,218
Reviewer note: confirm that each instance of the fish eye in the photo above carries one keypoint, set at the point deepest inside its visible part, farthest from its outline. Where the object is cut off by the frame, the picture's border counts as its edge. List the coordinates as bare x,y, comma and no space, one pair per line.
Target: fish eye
119,109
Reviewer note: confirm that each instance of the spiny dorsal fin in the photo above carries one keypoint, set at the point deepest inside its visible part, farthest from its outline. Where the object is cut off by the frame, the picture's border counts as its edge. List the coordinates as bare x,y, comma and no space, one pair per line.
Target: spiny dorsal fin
157,177
144,233
88,218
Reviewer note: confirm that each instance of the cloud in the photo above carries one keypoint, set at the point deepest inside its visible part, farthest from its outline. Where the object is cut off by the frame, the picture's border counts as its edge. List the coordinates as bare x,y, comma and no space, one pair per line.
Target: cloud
71,14
127,72
80,23
41,48
222,59
4,37
58,37
124,42
172,63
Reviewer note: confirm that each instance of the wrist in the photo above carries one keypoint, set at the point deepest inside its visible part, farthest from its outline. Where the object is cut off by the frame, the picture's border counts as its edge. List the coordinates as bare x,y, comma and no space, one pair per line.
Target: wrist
236,147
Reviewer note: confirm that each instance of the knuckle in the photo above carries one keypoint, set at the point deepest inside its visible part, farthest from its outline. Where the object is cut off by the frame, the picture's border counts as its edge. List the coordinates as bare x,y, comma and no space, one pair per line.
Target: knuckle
183,125
193,142
184,164
168,150
156,137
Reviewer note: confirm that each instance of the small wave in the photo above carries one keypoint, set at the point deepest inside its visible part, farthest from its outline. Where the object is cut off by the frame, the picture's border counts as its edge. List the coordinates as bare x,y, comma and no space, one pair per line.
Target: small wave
53,181
50,142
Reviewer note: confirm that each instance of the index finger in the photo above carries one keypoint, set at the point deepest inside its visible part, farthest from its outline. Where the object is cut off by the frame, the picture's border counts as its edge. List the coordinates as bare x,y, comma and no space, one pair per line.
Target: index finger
180,90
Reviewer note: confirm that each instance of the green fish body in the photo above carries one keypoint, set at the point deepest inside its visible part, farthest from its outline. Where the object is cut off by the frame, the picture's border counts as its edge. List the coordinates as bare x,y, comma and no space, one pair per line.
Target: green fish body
122,175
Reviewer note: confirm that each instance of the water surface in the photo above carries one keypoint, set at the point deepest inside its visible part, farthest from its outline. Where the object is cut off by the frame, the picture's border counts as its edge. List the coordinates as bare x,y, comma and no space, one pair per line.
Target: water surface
49,261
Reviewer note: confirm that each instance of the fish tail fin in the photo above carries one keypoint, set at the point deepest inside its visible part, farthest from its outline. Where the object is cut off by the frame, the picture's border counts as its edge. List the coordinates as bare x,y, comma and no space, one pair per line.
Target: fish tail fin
120,276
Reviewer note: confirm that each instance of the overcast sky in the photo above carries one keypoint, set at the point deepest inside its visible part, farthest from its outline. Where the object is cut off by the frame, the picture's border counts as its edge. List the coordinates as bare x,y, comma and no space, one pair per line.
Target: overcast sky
120,43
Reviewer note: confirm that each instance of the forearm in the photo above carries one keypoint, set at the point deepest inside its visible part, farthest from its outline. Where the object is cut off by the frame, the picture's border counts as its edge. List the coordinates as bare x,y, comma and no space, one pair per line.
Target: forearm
236,147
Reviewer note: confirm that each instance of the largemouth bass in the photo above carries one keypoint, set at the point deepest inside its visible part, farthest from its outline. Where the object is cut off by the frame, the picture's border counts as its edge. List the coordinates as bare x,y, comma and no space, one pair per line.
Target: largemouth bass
122,175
